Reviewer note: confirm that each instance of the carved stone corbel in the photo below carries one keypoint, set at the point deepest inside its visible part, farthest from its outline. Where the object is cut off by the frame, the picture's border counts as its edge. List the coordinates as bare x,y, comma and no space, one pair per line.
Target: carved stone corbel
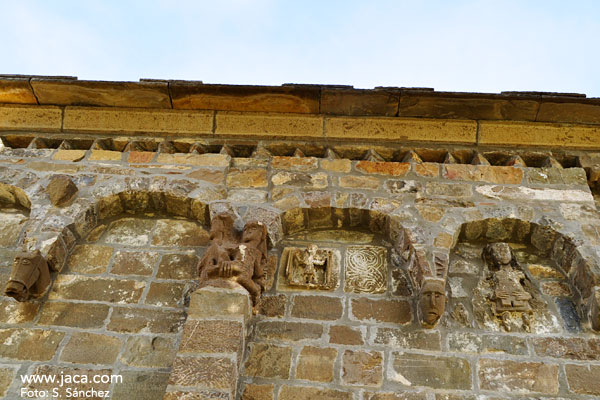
29,277
230,262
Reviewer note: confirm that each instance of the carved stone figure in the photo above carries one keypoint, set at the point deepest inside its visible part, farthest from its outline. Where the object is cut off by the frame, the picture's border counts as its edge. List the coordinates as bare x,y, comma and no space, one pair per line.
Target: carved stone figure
229,261
29,277
509,293
309,267
432,301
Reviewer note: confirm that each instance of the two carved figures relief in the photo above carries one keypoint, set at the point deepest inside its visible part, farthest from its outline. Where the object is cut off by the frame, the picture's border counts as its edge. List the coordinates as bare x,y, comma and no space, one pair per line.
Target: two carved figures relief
235,259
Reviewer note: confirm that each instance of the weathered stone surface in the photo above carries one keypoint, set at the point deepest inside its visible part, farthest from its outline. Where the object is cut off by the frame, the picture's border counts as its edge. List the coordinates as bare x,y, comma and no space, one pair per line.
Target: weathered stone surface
362,368
139,320
308,181
129,231
98,93
212,336
267,124
16,91
203,372
29,344
105,155
295,163
178,266
342,334
272,306
165,294
395,396
247,178
571,348
359,102
13,312
342,165
253,391
556,289
141,384
431,170
77,315
170,232
381,310
99,289
10,228
483,173
149,351
467,342
316,364
90,348
61,190
89,259
288,331
451,190
539,134
27,118
69,155
317,307
583,379
403,129
431,371
441,105
383,168
269,361
309,393
399,338
6,378
213,302
134,263
518,377
359,182
116,120
200,160
284,99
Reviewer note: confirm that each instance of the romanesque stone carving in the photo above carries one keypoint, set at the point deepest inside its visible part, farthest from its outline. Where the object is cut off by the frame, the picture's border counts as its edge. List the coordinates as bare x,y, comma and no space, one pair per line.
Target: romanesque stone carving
230,261
432,301
29,277
366,269
309,267
509,293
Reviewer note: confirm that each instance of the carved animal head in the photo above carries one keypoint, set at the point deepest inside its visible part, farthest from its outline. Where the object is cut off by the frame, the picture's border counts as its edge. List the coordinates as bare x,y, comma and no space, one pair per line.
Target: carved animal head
432,301
29,277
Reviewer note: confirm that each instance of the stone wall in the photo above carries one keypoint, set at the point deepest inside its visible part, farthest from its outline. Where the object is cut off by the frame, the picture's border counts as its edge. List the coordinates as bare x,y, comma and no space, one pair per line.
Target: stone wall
119,303
392,202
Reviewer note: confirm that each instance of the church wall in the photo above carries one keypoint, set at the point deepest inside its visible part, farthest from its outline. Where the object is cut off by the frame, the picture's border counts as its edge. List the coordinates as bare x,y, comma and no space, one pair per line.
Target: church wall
430,194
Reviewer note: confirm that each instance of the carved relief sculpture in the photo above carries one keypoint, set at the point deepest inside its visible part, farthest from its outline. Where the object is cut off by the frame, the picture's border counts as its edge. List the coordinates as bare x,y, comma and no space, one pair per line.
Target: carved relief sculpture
509,293
29,277
309,267
432,301
366,269
229,261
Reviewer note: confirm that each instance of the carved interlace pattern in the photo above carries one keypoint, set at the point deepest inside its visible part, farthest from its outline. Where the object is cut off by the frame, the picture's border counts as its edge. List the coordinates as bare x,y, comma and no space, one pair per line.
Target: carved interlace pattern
366,269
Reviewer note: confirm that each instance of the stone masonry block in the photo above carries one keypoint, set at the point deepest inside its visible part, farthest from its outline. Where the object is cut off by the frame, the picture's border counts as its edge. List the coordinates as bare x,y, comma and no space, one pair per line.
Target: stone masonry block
403,129
14,117
118,120
268,124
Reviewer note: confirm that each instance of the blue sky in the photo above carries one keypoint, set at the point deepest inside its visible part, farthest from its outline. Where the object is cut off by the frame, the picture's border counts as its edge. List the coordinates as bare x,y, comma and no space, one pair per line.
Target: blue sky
463,45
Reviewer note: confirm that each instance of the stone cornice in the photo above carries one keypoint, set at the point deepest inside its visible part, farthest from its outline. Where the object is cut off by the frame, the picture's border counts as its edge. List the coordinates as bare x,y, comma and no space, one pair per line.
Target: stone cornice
301,112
